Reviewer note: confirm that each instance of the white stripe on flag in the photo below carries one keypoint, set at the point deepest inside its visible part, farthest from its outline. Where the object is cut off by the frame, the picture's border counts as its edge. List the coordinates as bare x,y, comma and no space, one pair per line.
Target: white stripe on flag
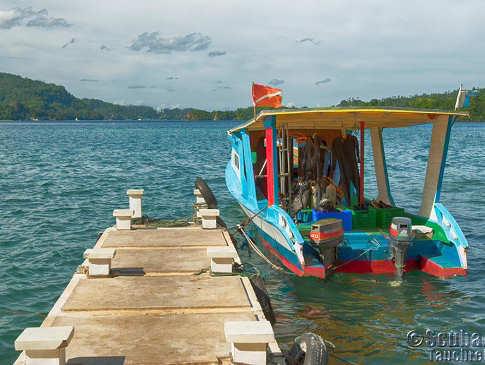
460,99
267,96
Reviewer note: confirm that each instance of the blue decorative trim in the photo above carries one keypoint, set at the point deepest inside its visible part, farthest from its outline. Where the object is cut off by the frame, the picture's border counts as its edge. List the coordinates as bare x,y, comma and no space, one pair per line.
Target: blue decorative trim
248,163
270,121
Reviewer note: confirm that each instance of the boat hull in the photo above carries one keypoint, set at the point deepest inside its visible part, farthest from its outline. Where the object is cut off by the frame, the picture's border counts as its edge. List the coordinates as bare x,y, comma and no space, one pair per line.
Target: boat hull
353,258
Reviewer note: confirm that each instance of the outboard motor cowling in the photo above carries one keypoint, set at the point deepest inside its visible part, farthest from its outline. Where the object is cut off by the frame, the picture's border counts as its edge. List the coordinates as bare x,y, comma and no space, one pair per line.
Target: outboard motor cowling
325,235
400,237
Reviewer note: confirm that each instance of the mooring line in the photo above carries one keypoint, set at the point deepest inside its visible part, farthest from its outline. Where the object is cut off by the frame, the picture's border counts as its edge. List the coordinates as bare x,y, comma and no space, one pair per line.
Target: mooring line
259,253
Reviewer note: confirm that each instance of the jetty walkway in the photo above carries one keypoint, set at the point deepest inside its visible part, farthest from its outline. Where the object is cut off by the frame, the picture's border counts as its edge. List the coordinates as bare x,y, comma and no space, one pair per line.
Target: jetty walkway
151,295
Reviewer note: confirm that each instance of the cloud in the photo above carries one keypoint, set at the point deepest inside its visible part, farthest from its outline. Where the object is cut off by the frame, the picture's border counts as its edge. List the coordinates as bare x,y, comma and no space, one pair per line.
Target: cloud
104,48
28,17
216,53
217,88
324,81
89,80
173,77
68,43
276,82
136,87
153,43
310,40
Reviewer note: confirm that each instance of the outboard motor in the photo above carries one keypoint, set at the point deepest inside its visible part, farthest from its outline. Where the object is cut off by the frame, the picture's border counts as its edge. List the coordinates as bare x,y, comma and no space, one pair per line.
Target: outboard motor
325,235
400,238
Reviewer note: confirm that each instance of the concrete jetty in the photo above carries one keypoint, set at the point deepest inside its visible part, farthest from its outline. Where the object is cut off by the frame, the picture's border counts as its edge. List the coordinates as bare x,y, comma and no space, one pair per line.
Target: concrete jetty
146,295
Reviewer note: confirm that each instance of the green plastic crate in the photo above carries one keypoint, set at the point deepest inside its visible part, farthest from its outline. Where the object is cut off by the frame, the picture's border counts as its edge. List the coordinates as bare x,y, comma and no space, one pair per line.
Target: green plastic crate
364,219
384,216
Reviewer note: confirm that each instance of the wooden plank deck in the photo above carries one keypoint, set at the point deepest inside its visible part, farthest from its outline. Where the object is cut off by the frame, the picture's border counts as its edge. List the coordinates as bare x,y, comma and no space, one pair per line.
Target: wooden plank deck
160,306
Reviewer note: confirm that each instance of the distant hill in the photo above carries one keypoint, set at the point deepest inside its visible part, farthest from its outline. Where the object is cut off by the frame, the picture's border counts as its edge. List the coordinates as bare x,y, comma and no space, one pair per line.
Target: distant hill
443,101
23,99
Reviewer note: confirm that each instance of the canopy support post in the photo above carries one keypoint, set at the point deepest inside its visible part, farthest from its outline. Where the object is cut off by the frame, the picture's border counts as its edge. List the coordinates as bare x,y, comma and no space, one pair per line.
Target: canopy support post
361,190
438,148
272,158
382,178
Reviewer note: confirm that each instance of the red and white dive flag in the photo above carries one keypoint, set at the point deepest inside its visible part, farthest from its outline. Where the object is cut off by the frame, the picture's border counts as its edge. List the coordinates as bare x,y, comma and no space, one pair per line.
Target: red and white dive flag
266,96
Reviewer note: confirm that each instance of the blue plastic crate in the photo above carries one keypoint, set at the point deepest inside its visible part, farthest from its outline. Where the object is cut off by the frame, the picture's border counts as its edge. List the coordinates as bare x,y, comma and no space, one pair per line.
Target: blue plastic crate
304,216
345,216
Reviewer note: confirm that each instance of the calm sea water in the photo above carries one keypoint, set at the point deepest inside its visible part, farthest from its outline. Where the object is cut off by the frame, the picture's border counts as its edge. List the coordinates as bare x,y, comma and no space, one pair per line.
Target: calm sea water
59,183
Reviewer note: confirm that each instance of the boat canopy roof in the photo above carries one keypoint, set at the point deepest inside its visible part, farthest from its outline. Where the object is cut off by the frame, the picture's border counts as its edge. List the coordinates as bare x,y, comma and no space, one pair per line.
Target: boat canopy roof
347,118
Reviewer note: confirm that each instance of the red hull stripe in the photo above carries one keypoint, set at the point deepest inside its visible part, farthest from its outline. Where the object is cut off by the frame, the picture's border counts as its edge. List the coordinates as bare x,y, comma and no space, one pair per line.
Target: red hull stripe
325,236
318,272
375,267
434,269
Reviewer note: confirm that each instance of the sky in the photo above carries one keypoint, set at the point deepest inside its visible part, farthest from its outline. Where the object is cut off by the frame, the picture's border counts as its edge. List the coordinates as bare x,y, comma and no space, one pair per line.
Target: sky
206,54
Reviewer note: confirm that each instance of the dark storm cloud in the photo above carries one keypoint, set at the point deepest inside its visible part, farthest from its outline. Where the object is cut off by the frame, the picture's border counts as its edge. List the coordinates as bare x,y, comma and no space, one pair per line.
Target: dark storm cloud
28,17
276,82
153,43
310,40
68,43
324,81
216,53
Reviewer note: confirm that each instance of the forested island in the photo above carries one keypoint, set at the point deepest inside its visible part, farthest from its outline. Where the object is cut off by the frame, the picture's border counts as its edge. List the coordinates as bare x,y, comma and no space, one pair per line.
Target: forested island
25,99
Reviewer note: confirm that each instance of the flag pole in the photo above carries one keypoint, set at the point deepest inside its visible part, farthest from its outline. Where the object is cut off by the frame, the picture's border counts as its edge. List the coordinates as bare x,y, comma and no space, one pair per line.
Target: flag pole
254,104
458,97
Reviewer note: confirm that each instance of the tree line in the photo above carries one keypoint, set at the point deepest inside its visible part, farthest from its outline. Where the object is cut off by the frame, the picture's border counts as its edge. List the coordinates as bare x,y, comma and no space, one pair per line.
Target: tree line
24,99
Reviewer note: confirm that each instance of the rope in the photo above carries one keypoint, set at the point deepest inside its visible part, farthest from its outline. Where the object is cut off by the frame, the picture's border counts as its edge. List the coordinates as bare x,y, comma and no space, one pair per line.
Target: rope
242,271
259,253
246,220
355,258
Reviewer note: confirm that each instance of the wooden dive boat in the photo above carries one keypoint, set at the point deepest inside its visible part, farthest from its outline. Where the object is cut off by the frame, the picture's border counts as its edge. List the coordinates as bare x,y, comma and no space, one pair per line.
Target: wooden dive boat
291,170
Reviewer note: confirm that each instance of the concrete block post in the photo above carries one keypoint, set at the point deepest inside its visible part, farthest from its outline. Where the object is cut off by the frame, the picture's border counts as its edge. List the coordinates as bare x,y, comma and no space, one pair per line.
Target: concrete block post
135,201
123,218
199,207
99,261
249,340
44,345
199,199
200,203
222,259
209,218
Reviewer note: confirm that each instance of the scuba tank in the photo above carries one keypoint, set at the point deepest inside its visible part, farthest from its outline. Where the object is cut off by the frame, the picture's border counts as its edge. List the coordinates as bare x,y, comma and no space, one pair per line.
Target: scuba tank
316,196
